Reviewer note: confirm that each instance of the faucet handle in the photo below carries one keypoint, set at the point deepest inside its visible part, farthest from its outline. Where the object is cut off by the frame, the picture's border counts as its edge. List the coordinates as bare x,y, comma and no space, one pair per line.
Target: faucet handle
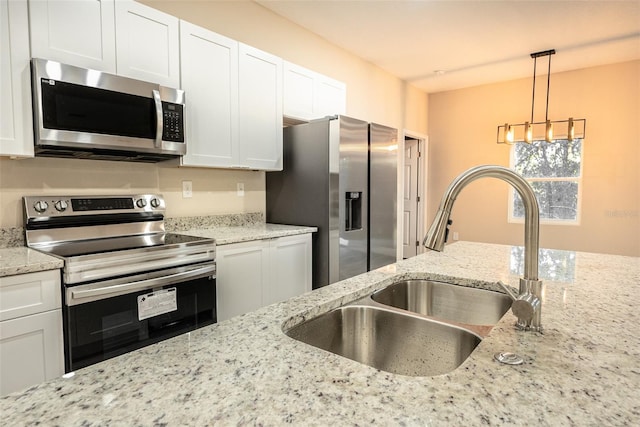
524,306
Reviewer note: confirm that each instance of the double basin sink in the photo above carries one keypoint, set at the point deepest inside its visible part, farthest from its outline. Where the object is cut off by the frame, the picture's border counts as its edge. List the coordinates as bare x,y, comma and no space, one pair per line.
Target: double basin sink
411,327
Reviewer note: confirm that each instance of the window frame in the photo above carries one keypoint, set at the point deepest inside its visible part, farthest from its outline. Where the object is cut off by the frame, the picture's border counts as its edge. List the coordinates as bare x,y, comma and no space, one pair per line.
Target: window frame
546,221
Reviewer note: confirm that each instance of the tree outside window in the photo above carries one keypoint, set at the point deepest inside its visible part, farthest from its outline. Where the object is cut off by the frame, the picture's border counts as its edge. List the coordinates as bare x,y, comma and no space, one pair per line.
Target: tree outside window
554,171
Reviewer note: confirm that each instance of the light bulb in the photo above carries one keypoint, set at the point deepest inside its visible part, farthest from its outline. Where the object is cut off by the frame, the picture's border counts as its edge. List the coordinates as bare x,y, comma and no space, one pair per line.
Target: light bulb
528,132
571,130
508,133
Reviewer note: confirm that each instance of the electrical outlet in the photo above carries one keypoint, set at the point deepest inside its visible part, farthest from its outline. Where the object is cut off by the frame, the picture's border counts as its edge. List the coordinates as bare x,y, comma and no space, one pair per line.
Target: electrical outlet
187,189
455,235
240,189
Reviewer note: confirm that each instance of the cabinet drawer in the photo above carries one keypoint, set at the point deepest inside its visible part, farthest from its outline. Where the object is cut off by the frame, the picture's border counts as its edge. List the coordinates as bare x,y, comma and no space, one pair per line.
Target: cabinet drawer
30,293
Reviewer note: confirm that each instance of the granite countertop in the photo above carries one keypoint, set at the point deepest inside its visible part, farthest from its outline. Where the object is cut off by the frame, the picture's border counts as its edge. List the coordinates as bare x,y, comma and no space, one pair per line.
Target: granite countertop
583,370
225,235
22,260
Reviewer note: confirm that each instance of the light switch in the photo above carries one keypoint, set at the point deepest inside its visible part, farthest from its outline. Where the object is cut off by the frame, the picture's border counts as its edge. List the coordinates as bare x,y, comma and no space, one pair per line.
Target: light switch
240,189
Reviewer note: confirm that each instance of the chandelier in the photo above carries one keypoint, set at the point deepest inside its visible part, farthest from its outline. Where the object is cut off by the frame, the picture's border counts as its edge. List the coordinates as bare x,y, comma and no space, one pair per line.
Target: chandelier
547,130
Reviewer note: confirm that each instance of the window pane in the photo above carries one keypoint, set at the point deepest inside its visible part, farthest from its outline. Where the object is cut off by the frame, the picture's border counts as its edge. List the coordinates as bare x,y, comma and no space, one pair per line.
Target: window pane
557,200
541,159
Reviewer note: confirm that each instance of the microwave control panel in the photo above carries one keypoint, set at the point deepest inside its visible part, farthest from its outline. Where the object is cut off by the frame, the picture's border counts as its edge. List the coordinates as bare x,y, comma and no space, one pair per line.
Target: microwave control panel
173,122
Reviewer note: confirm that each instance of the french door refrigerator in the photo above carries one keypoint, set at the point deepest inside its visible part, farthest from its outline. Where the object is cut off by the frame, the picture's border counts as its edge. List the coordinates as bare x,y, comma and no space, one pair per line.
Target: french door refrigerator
339,175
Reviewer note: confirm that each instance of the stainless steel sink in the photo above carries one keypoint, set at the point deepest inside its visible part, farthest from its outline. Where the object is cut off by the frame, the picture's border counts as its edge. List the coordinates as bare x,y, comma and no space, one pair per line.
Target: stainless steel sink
388,340
446,301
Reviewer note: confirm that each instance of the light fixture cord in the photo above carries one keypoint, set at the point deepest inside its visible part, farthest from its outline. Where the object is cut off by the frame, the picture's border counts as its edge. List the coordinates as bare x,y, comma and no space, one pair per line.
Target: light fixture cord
533,95
546,113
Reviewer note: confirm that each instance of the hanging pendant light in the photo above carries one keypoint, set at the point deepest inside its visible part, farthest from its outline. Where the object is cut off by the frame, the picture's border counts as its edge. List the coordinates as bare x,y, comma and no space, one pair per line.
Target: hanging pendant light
544,130
571,130
528,132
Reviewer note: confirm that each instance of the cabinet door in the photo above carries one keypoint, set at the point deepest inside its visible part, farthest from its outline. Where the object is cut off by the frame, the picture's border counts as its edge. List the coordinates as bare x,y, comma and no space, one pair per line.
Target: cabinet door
260,109
241,276
290,268
331,97
147,44
75,32
299,88
16,131
31,350
209,70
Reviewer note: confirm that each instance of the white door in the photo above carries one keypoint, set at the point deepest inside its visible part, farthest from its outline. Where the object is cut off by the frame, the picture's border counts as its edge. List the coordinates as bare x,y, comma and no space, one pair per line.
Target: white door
31,350
290,268
16,130
74,32
243,271
410,239
147,44
209,71
260,109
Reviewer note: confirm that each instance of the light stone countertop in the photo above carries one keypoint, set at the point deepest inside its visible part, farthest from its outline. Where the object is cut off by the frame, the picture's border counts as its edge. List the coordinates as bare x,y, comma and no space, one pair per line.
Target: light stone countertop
225,235
22,260
583,370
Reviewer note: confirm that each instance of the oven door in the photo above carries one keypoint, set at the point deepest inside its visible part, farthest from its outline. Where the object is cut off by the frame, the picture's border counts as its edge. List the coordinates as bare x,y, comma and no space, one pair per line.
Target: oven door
112,317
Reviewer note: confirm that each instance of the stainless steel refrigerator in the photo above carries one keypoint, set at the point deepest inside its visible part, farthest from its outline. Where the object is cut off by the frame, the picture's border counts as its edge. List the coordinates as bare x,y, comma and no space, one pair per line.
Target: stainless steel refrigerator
339,175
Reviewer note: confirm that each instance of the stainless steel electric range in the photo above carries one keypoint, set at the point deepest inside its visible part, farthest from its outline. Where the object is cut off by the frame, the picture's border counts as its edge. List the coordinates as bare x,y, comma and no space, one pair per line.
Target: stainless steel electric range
126,283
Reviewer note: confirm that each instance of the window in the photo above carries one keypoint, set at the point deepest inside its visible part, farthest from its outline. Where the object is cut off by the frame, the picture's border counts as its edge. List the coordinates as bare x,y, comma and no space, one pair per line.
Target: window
554,171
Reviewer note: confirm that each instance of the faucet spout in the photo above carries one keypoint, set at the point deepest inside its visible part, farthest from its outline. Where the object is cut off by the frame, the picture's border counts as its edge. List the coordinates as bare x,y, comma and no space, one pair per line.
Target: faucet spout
531,289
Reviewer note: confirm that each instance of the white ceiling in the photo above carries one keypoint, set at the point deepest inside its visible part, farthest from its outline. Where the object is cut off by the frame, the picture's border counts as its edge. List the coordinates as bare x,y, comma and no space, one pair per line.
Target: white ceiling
472,42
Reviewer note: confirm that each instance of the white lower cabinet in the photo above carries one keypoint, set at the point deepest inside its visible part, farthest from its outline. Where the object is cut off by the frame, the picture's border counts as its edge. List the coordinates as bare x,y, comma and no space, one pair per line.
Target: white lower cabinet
261,272
31,346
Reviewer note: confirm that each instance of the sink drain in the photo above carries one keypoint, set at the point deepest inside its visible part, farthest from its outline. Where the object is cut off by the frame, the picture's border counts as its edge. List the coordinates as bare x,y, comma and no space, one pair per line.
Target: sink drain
508,358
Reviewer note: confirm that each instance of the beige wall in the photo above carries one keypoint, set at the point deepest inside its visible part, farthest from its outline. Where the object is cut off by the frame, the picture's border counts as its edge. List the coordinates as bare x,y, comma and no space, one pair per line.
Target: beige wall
372,94
462,134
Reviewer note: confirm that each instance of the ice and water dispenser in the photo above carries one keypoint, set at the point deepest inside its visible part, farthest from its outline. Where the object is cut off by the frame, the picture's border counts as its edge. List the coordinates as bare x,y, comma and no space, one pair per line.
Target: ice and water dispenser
353,210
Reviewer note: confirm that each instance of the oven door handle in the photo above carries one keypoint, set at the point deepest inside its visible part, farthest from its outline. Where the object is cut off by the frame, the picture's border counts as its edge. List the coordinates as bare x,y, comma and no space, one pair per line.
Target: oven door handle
78,296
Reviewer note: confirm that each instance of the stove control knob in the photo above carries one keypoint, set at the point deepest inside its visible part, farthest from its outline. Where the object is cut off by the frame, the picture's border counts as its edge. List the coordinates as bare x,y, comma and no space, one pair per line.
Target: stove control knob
155,202
141,203
61,205
40,206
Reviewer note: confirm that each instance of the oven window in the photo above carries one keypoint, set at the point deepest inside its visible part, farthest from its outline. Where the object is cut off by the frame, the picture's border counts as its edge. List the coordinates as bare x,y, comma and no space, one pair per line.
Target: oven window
67,106
106,328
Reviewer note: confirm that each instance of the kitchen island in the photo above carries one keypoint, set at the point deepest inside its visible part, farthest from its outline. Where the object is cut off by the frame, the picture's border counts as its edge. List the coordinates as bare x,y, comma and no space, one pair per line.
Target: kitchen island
584,369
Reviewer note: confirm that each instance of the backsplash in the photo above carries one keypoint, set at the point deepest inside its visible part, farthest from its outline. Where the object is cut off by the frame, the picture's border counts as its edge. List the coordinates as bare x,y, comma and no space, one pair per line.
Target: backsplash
14,236
11,237
210,221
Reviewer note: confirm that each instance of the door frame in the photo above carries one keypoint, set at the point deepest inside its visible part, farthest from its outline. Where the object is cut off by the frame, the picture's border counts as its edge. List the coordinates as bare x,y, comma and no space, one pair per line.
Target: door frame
421,211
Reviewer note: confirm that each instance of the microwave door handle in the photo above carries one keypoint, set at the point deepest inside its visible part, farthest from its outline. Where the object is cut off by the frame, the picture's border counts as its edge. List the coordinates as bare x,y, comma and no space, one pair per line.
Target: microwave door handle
159,118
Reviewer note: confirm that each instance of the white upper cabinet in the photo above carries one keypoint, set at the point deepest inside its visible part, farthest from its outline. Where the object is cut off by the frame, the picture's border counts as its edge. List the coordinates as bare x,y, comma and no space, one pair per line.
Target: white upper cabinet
234,102
119,37
260,109
209,70
309,95
147,44
16,131
75,32
331,97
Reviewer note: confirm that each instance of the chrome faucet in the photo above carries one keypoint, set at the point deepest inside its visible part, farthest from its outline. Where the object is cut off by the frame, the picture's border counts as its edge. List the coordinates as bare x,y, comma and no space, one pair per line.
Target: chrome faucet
527,306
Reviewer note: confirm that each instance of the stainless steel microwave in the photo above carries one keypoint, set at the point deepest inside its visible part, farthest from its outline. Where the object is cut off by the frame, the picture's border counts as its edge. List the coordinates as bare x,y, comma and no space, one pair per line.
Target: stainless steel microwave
81,113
